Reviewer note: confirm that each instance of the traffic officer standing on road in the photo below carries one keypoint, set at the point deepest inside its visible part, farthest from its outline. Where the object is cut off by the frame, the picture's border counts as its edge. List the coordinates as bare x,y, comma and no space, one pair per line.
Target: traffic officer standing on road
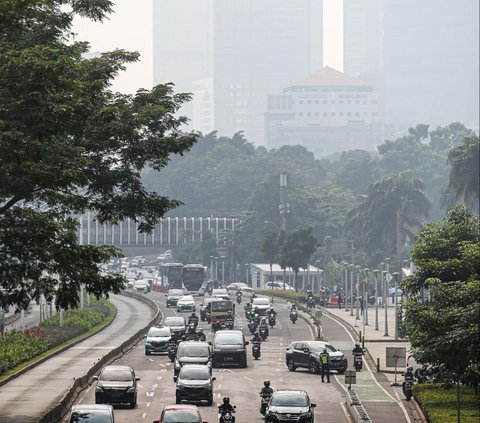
325,359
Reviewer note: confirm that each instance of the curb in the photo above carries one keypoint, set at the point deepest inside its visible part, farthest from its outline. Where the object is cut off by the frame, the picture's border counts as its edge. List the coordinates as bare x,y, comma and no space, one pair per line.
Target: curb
56,414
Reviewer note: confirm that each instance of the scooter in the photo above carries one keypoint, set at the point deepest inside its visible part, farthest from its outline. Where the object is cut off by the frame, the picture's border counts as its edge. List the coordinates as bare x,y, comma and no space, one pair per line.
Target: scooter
252,327
172,351
357,362
264,403
311,302
227,416
293,316
256,350
408,390
272,320
263,332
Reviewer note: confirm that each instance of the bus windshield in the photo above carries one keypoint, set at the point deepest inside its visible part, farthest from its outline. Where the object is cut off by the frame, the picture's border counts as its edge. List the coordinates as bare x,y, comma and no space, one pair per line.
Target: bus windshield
193,277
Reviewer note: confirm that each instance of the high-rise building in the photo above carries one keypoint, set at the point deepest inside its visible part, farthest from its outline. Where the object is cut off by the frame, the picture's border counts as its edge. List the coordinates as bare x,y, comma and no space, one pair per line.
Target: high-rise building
259,47
422,55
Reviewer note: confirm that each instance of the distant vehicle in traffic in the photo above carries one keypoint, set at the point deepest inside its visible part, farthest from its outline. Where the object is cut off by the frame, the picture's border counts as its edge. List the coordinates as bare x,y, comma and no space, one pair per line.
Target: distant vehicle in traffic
92,413
194,383
262,304
306,354
157,339
186,303
193,278
229,348
239,286
116,385
192,352
278,285
177,324
171,275
173,296
180,413
220,293
290,406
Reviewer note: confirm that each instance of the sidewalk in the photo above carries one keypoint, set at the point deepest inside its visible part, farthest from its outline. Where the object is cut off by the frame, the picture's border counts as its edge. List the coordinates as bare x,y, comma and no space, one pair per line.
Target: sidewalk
375,341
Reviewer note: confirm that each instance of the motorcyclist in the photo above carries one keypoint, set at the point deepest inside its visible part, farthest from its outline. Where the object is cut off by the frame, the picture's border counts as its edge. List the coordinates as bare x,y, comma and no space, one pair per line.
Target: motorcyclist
193,319
408,377
357,350
264,324
253,297
200,335
226,406
265,393
256,338
272,312
293,308
182,338
191,332
421,374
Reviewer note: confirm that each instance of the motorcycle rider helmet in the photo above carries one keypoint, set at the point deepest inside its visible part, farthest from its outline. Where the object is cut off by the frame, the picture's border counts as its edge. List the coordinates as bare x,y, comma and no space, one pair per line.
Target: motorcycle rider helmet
409,369
256,333
226,400
200,330
266,383
325,350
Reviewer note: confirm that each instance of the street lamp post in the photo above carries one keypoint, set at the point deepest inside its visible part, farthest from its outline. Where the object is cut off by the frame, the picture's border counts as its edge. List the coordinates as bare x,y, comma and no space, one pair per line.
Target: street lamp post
318,285
375,272
223,270
247,279
385,299
395,278
216,269
345,276
365,298
352,268
211,267
357,286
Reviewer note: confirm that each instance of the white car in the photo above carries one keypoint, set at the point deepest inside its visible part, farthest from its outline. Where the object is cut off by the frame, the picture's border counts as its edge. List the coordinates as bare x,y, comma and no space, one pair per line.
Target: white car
239,286
220,293
262,304
278,285
186,303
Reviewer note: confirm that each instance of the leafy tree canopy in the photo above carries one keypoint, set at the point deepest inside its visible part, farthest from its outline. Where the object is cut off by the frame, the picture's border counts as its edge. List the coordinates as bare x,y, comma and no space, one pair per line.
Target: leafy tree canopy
443,304
68,144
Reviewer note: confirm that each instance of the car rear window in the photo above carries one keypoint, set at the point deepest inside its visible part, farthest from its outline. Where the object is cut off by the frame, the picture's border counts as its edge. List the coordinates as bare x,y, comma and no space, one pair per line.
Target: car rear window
174,321
181,417
176,292
195,373
97,416
159,331
261,301
116,375
192,350
229,339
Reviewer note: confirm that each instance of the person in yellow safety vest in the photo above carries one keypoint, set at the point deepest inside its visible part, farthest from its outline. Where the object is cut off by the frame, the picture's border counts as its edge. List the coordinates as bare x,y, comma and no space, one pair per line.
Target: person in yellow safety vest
325,359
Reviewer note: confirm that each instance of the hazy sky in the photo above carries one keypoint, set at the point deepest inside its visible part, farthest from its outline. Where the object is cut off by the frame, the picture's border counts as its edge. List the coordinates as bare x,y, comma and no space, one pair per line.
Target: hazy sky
130,28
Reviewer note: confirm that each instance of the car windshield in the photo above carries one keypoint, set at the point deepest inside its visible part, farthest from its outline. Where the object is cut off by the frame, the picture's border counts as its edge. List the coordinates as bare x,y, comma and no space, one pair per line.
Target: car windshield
229,339
192,350
159,331
289,399
261,301
176,292
221,305
181,417
319,347
195,373
186,299
97,416
174,321
117,375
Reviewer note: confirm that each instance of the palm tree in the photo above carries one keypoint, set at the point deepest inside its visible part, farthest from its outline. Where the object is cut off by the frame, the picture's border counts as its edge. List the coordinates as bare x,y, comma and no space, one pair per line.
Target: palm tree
389,213
464,176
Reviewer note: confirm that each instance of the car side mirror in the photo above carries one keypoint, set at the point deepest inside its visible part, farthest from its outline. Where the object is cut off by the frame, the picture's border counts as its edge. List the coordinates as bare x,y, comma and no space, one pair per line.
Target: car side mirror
210,343
137,378
313,405
214,378
306,350
175,378
95,378
247,343
156,421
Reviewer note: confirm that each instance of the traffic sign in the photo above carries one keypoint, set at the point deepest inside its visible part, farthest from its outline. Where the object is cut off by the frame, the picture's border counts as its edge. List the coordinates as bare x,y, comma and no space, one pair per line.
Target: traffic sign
388,277
350,378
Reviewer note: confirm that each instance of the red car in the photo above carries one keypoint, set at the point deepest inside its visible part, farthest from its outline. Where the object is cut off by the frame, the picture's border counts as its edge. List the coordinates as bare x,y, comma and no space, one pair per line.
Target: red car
180,413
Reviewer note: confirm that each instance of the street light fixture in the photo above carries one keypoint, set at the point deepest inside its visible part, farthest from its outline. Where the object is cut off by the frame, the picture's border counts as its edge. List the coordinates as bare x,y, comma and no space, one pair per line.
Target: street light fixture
274,224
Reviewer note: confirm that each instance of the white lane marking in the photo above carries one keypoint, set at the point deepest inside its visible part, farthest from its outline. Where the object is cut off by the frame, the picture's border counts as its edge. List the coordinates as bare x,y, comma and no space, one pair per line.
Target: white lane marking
148,404
155,386
80,401
251,380
220,386
150,394
144,415
230,371
159,377
140,386
150,359
160,364
407,417
345,411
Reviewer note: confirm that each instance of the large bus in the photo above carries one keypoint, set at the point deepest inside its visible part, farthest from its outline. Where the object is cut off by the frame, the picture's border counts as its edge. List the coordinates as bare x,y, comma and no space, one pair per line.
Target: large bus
172,274
194,277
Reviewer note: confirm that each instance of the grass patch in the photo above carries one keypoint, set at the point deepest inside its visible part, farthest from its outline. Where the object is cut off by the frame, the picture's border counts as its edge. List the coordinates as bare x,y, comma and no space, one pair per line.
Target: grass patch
439,405
112,311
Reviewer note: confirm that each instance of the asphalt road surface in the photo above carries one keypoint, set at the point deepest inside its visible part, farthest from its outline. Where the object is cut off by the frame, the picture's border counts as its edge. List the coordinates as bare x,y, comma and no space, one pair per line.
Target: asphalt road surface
157,389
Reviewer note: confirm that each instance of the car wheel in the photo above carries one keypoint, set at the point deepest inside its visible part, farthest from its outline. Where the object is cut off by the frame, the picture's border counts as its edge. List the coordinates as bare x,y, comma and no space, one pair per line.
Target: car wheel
177,400
210,400
244,362
291,365
168,306
133,404
312,367
97,401
147,352
341,371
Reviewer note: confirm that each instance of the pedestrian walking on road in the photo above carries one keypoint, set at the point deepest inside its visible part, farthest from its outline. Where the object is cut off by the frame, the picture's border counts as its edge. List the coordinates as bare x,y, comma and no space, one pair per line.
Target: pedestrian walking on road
325,358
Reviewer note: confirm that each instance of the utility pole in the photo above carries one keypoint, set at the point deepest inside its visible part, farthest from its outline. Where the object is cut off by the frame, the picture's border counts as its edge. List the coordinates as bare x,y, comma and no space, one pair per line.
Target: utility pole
284,206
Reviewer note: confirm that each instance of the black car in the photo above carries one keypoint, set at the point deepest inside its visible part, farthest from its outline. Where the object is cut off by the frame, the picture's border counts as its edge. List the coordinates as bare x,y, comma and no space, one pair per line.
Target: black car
116,385
194,383
229,348
177,324
192,352
307,354
290,406
173,296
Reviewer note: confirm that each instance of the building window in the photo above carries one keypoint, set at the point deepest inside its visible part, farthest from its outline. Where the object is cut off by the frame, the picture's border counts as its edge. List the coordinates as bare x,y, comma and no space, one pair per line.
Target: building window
341,101
332,102
374,102
349,114
364,101
341,113
349,102
317,114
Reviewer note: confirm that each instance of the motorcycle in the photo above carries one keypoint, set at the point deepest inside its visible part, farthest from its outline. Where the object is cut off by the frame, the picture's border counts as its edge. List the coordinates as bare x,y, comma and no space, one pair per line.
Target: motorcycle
252,327
293,316
229,324
311,302
263,332
408,390
226,416
208,317
265,398
239,298
192,336
272,320
256,350
172,351
357,362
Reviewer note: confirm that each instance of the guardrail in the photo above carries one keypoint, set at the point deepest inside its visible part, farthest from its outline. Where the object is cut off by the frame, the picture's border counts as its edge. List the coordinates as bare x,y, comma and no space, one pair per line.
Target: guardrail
56,414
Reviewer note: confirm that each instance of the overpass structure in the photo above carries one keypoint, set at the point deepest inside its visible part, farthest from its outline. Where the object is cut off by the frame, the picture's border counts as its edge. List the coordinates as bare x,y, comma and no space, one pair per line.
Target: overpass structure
170,231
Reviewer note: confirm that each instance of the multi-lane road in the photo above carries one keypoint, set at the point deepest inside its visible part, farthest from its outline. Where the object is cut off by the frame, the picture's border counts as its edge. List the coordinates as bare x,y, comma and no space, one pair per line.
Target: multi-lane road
157,388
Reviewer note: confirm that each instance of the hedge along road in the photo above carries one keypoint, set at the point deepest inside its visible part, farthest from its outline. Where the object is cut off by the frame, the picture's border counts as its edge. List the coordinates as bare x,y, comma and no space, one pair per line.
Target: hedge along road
28,397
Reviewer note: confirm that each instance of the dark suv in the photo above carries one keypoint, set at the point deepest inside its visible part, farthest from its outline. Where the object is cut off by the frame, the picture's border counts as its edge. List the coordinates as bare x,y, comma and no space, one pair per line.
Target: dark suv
229,348
194,383
290,406
192,352
307,354
116,385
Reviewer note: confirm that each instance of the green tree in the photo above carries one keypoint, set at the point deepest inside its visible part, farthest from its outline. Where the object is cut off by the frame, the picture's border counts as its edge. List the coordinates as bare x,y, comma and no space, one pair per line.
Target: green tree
296,249
441,313
270,249
464,182
69,144
388,214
